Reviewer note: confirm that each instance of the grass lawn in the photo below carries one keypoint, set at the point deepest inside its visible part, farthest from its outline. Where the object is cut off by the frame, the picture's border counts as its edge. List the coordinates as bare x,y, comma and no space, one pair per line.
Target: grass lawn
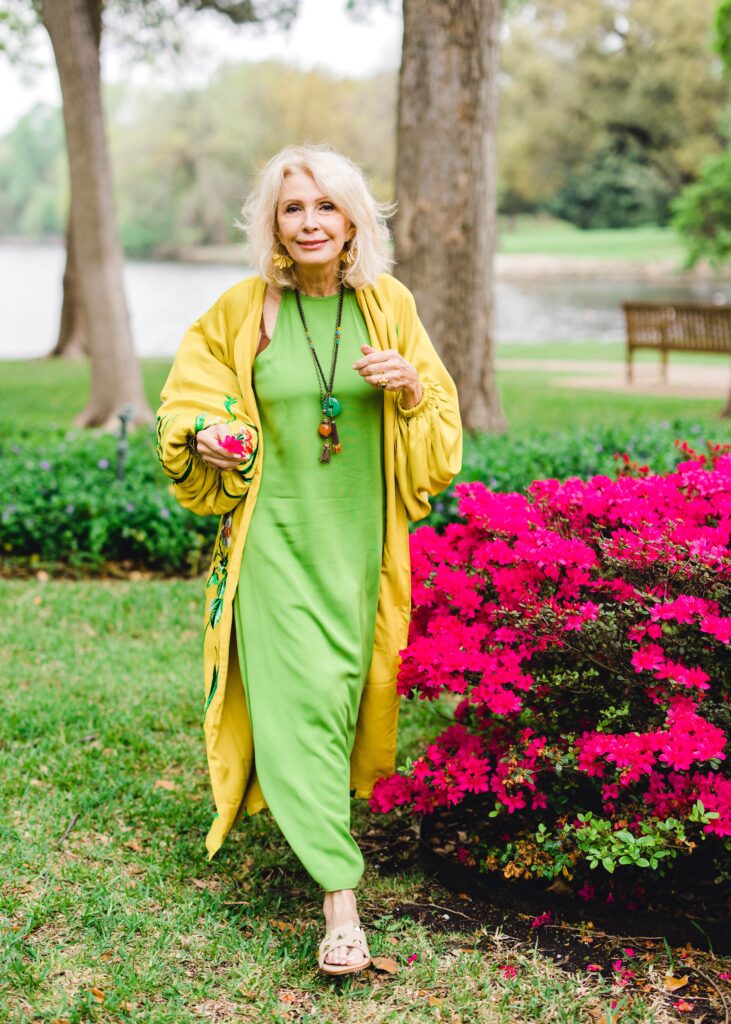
110,910
559,238
604,351
38,393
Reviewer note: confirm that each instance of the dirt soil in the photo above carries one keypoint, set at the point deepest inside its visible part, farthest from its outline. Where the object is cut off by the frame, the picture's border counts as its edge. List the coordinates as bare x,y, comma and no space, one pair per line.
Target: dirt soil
575,935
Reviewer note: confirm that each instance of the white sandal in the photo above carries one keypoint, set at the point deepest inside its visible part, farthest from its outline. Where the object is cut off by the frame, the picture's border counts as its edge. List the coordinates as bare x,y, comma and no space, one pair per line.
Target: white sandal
348,934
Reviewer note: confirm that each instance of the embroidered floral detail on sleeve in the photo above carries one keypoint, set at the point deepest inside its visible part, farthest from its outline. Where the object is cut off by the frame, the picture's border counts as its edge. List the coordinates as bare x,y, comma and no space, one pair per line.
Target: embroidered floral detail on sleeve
238,444
228,402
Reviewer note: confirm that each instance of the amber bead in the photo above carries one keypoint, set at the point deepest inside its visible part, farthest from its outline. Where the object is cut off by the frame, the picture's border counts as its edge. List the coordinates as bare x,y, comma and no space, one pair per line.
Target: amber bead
325,429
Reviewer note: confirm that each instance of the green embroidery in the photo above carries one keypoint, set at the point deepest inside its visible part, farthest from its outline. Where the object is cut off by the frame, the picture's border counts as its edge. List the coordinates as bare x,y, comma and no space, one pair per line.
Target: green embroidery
228,402
214,687
247,470
219,571
161,425
200,422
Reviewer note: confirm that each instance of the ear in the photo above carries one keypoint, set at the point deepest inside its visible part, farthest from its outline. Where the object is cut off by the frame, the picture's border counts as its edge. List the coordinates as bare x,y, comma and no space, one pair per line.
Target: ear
350,233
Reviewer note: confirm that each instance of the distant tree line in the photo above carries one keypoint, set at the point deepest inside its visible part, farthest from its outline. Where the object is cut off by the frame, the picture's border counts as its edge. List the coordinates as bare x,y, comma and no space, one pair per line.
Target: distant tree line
182,159
607,113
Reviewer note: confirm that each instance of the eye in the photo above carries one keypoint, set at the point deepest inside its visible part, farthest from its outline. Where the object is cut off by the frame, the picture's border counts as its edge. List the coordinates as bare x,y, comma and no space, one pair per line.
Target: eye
328,206
291,207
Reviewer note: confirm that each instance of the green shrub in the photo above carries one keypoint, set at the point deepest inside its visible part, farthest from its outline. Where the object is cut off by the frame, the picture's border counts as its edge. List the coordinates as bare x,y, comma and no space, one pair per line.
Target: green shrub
64,508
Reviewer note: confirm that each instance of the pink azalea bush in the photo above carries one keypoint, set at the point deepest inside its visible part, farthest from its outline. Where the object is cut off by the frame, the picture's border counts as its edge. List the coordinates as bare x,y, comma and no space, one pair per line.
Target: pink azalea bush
581,632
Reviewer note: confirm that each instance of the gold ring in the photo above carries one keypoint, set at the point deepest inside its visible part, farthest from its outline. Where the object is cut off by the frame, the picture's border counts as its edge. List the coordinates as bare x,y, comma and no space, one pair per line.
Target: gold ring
382,381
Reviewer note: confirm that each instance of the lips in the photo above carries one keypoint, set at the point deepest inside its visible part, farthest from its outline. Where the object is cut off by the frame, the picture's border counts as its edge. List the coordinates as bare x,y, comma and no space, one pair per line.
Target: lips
312,245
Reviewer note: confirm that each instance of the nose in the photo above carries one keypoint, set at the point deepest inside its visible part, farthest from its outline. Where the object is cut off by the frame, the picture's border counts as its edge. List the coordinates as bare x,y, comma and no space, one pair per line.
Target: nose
310,221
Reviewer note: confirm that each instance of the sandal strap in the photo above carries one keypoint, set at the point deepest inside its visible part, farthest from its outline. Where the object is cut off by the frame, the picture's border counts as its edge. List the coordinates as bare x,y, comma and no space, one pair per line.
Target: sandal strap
348,934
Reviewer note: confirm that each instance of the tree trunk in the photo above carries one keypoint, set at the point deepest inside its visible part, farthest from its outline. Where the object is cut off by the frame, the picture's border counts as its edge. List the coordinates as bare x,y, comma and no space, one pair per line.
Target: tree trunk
446,225
74,29
73,337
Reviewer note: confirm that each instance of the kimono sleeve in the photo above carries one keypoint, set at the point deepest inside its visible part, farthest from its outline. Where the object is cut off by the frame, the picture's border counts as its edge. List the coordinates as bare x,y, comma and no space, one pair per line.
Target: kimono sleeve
429,435
203,388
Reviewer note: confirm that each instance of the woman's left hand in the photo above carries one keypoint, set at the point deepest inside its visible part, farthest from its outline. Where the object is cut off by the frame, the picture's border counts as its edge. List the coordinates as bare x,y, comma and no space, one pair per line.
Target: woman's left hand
400,375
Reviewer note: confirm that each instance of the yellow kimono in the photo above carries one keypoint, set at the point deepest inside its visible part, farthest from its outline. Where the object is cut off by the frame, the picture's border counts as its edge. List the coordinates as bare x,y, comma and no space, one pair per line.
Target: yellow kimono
210,382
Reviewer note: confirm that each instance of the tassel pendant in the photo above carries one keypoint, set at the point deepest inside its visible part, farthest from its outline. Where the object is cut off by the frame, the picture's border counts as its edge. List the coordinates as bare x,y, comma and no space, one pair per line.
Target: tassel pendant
325,453
337,447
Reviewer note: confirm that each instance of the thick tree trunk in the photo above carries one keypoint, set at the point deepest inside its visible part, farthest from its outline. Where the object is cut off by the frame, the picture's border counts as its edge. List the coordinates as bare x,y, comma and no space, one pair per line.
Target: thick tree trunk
74,26
73,337
446,224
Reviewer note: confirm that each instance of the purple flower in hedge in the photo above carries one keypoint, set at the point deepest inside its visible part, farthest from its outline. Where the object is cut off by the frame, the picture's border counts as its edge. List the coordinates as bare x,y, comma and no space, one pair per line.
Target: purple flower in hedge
45,464
70,509
130,506
103,463
165,513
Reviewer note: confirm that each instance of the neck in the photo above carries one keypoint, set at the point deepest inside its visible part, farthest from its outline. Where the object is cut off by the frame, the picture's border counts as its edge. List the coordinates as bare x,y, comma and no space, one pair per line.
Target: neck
318,281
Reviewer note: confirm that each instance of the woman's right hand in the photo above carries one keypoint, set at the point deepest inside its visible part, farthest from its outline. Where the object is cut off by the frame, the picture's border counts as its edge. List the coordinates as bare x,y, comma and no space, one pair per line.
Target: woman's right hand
208,444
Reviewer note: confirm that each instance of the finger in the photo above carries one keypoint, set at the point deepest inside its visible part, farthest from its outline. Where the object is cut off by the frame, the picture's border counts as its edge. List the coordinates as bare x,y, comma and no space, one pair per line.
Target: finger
382,364
394,381
374,354
209,450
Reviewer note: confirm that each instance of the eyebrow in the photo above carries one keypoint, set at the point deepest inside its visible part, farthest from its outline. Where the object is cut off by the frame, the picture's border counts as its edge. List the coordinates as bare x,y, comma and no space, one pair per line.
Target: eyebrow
295,199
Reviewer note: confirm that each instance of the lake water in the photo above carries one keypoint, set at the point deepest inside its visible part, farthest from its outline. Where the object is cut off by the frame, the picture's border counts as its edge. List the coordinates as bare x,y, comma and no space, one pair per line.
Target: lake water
164,298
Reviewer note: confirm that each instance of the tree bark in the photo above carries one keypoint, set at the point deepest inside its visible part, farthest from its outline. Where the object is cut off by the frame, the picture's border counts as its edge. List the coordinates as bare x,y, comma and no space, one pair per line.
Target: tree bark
73,337
74,27
446,225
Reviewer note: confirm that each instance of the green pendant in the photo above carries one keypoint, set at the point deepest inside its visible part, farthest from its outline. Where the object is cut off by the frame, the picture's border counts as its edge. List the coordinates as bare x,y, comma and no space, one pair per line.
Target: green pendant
331,406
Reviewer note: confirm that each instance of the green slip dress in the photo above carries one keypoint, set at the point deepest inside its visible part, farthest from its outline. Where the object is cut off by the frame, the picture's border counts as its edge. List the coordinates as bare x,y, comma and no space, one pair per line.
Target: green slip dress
305,604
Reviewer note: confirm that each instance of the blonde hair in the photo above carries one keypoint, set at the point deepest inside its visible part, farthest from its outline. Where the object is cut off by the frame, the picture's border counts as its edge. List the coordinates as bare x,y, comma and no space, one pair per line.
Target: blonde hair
343,182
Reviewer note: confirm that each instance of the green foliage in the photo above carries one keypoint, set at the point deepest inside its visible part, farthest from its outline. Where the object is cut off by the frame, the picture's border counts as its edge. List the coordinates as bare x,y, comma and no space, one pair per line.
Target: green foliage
182,158
603,76
33,174
617,188
722,32
63,505
702,212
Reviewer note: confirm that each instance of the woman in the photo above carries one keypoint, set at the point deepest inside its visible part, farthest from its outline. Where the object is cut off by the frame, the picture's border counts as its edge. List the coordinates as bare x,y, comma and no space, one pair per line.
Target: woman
309,409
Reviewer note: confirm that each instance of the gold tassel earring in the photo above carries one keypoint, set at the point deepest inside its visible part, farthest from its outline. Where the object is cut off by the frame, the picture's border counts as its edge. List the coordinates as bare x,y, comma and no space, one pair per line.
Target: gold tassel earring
347,254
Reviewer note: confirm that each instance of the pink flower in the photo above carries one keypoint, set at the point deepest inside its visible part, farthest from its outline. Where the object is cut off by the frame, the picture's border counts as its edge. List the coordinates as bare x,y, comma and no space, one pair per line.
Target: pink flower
508,971
593,967
542,919
414,956
238,444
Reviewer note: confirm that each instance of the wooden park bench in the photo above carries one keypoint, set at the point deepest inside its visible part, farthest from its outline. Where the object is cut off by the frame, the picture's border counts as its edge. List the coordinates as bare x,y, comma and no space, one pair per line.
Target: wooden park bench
676,327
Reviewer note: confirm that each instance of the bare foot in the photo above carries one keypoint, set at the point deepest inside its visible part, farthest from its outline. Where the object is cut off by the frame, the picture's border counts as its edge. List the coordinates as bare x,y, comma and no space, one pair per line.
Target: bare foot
339,907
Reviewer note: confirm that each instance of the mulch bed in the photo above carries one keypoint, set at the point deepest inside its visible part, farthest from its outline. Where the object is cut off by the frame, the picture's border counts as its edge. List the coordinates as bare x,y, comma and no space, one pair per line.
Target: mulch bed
693,938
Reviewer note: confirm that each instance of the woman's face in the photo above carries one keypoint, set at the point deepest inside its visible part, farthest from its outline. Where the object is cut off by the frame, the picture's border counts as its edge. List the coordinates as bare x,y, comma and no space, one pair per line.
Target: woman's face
310,226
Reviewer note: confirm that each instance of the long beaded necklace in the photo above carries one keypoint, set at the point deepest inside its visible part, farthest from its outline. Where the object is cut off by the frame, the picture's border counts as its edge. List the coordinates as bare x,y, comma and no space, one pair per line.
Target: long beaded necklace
329,405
